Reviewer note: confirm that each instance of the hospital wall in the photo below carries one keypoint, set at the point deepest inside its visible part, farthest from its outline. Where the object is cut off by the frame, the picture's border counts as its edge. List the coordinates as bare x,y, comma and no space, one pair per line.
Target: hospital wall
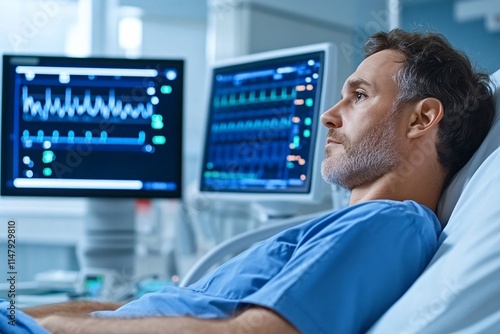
469,34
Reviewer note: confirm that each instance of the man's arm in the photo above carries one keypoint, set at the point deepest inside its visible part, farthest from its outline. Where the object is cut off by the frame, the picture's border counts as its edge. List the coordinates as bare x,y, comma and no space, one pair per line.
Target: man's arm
77,308
254,320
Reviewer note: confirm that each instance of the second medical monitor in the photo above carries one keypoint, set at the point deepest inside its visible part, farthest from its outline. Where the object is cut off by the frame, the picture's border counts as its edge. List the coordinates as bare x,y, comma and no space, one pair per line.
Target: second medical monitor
264,139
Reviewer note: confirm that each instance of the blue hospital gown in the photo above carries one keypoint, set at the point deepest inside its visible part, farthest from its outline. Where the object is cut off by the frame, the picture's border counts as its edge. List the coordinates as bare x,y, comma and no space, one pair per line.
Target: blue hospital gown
335,274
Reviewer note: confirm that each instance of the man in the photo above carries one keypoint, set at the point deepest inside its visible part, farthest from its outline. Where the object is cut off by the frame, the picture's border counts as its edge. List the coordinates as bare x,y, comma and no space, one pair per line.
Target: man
410,116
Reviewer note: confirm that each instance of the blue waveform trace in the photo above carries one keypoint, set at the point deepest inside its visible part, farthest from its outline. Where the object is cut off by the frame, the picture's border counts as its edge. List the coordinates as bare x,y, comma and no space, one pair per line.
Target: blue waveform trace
40,138
274,154
71,106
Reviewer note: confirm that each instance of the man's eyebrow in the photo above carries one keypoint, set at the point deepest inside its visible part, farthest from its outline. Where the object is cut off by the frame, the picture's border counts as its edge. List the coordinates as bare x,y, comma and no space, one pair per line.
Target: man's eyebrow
356,82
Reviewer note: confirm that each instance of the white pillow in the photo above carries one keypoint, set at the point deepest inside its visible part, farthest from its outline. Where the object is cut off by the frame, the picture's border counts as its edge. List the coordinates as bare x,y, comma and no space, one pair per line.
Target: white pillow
491,142
459,292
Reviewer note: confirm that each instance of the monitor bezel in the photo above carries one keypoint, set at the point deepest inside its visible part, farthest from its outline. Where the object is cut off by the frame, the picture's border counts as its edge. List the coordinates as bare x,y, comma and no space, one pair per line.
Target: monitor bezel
319,189
82,192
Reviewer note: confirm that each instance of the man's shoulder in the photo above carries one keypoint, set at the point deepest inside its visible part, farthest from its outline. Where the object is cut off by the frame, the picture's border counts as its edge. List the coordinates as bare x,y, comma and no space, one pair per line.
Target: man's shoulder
371,217
388,205
399,214
373,208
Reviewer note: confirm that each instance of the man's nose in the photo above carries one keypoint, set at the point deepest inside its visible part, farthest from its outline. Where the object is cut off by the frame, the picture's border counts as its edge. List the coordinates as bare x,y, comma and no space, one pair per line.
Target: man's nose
331,118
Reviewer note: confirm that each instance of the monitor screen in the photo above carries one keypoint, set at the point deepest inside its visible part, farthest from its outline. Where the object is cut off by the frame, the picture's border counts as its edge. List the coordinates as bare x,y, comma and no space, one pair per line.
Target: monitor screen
91,127
264,139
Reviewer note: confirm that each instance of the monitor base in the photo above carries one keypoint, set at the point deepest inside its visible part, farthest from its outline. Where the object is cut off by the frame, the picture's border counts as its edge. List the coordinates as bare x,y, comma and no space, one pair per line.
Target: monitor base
109,238
282,210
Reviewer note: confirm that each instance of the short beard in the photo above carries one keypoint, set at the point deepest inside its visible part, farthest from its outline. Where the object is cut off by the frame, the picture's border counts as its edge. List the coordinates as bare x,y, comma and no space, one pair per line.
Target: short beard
367,160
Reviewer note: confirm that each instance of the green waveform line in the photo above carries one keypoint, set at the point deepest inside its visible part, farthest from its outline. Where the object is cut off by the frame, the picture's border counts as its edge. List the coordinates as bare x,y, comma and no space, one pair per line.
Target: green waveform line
229,175
257,124
253,97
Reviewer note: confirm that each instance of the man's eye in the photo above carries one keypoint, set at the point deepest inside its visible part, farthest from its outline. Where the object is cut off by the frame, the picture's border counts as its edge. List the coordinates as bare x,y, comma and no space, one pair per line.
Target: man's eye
360,96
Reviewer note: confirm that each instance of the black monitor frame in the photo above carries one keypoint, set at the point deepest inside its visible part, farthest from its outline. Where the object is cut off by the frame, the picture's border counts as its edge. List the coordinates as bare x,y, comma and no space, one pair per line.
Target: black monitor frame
160,178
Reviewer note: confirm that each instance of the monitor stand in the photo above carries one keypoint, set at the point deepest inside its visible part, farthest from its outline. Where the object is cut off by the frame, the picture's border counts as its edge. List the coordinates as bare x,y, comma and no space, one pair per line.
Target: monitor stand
282,210
109,238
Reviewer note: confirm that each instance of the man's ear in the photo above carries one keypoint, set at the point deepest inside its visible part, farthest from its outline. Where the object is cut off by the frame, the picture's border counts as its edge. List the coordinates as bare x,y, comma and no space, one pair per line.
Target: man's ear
425,115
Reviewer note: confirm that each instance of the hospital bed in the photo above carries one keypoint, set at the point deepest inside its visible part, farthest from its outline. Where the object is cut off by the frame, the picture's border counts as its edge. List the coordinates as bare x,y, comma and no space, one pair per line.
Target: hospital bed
459,292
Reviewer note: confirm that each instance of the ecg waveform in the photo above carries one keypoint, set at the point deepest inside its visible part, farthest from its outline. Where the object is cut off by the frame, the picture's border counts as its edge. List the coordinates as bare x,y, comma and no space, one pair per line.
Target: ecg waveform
250,125
29,139
72,106
274,154
256,164
255,96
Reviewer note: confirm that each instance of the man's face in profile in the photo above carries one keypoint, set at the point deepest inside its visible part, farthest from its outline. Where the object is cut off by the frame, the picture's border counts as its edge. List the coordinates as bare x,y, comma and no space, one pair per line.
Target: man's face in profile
363,127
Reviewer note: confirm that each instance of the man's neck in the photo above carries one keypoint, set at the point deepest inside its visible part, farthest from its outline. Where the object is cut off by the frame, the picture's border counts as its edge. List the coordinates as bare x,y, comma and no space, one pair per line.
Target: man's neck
422,185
